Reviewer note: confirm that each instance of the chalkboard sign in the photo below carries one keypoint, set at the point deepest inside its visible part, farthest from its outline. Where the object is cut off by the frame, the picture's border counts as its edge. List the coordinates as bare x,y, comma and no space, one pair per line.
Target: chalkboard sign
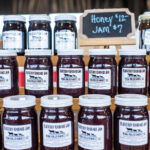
107,23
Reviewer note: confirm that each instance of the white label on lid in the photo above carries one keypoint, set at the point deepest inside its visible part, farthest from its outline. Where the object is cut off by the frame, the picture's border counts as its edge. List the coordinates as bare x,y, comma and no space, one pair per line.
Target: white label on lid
38,39
133,133
64,39
91,136
133,77
70,78
5,79
99,79
57,134
36,79
17,137
147,37
13,40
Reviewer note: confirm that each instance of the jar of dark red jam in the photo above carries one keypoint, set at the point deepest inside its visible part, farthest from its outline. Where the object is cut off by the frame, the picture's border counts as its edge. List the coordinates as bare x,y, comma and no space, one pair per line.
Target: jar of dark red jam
14,33
144,32
133,72
95,122
131,122
71,73
102,72
39,32
20,123
65,33
57,123
38,73
8,73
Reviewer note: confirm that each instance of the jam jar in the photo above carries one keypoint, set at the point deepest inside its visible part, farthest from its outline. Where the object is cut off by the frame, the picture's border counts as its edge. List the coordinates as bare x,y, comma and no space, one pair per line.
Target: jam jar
102,72
131,122
38,73
8,73
20,123
71,73
39,32
95,122
14,33
133,72
57,123
65,33
144,32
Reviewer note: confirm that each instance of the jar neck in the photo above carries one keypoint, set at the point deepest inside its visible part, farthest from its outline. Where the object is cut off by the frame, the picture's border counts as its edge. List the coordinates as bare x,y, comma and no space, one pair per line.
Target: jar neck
14,22
38,57
19,110
64,22
133,57
132,108
57,110
94,109
71,57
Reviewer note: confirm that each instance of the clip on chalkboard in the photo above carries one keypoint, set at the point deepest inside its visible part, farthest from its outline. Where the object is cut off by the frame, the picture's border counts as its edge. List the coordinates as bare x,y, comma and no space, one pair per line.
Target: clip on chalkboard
104,27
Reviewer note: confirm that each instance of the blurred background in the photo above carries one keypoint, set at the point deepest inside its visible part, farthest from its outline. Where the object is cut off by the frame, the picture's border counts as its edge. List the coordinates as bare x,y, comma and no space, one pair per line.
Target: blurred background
69,6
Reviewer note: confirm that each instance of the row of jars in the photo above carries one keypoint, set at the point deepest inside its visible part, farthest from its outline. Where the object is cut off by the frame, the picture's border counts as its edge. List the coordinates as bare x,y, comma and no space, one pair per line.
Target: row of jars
131,123
39,36
102,72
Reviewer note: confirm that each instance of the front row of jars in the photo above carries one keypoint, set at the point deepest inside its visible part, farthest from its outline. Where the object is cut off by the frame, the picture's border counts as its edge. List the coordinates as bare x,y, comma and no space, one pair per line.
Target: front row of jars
131,123
102,72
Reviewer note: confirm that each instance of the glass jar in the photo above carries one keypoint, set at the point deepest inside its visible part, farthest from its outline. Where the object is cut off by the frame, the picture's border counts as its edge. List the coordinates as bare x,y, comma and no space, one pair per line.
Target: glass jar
38,73
131,122
133,72
39,32
95,122
14,33
102,72
144,32
65,33
71,73
20,123
8,73
57,123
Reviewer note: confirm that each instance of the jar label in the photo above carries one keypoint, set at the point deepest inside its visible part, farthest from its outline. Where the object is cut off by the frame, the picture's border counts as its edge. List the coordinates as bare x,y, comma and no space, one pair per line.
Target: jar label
17,137
36,79
133,133
91,136
147,37
57,134
5,79
13,40
133,77
70,78
64,39
99,79
39,39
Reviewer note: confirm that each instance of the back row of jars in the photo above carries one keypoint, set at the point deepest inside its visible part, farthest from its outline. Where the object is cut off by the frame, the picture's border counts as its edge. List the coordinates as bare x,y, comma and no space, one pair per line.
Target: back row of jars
102,72
39,35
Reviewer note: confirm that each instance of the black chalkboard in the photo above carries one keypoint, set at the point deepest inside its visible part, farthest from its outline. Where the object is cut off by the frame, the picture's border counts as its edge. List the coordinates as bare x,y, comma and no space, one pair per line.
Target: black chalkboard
109,23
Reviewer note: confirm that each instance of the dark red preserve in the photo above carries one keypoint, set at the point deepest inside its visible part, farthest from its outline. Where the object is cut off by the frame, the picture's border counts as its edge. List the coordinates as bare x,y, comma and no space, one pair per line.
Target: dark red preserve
65,33
102,72
131,122
14,33
71,73
133,72
39,32
8,73
38,73
56,123
20,123
95,122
